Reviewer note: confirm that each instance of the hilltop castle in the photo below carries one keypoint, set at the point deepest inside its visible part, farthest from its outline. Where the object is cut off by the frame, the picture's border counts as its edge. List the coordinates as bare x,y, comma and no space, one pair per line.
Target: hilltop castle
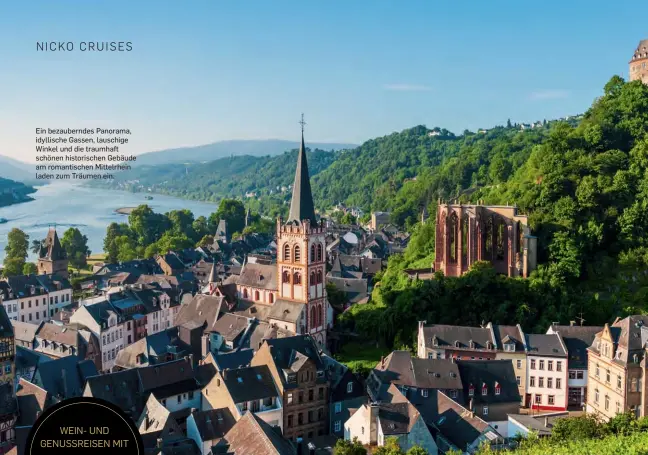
639,63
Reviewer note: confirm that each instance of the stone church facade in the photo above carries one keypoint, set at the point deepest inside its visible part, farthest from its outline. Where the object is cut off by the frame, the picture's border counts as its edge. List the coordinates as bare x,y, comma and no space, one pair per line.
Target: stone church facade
500,235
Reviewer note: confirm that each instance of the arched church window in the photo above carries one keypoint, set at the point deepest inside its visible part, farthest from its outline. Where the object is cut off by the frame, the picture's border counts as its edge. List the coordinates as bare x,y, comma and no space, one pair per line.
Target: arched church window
321,315
312,253
488,239
297,253
319,277
256,296
518,237
285,276
464,239
296,278
499,250
319,252
271,297
313,316
452,237
286,254
245,293
312,278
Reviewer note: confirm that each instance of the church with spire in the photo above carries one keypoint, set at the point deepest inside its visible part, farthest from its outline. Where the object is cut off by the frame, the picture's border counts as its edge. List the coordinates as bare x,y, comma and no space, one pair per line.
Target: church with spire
290,293
52,257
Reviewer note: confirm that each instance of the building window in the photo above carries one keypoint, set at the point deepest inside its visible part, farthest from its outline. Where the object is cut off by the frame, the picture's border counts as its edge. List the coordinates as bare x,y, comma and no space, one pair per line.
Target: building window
550,365
607,376
551,400
297,253
518,380
558,383
338,407
338,425
540,382
484,390
300,419
285,276
256,296
533,364
549,383
180,399
519,364
350,387
596,396
485,411
572,374
618,382
579,375
618,407
453,394
290,398
424,392
296,278
290,421
471,391
538,399
532,381
320,393
541,365
607,402
286,255
558,366
311,395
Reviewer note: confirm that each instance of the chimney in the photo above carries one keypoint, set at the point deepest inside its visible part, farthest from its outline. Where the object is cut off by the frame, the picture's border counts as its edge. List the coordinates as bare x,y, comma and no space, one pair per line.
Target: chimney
546,422
373,423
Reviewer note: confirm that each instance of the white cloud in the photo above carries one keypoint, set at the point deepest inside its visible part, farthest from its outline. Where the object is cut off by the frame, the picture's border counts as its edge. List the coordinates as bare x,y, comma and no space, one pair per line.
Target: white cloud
407,87
549,94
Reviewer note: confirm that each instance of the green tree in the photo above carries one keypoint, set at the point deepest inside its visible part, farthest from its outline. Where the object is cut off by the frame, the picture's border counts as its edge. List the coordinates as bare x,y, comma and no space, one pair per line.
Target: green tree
582,427
182,222
36,246
347,218
201,227
344,447
391,447
75,245
417,450
206,240
126,248
111,248
15,252
29,269
147,225
232,211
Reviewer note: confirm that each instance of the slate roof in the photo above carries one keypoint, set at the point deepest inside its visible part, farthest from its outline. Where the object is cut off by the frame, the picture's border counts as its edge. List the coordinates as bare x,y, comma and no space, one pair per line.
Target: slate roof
168,379
641,51
173,261
58,333
457,424
356,289
213,424
235,359
290,353
251,435
118,388
301,205
25,331
64,377
231,326
630,335
32,401
22,285
397,415
202,309
249,383
145,351
542,424
450,335
53,282
286,310
100,311
577,339
508,334
545,345
258,276
491,373
51,248
401,368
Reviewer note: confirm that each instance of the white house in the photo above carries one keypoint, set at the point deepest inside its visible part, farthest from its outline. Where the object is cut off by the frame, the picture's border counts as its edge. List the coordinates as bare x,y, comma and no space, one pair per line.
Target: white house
104,322
546,372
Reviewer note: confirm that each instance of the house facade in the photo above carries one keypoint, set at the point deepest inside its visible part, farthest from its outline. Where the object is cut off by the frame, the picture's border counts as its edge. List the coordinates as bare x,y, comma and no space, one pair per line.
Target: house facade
546,387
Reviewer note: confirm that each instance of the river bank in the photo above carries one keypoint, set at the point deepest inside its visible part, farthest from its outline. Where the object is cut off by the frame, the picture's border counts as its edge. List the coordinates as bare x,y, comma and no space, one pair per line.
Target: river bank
90,210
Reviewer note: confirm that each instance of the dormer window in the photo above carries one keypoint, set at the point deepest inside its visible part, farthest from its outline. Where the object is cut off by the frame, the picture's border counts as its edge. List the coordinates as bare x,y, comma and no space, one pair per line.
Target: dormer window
350,387
471,343
510,347
435,341
498,389
471,391
489,345
484,390
457,344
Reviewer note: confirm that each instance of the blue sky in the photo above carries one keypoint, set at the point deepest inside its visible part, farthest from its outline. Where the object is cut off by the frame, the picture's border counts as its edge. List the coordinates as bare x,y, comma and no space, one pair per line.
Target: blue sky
202,71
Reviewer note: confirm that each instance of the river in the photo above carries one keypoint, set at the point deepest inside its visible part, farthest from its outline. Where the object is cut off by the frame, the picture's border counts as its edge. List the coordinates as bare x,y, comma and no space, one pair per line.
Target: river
90,210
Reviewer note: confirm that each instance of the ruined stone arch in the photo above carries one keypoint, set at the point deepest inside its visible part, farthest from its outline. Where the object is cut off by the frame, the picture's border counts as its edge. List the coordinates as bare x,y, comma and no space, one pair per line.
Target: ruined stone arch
453,238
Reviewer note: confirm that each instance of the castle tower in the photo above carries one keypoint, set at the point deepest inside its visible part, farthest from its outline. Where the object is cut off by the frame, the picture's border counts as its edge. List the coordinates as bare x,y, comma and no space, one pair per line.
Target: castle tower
639,63
52,257
301,255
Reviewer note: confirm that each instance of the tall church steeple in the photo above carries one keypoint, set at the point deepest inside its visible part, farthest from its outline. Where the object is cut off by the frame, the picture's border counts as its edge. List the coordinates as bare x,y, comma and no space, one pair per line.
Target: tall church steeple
301,206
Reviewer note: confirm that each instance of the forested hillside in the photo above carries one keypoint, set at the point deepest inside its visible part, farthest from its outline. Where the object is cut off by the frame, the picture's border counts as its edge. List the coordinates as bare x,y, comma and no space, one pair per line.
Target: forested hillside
12,192
585,188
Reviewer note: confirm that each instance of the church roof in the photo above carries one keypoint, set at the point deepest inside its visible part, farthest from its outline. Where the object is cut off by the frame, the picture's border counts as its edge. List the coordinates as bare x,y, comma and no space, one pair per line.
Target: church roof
51,248
641,51
301,206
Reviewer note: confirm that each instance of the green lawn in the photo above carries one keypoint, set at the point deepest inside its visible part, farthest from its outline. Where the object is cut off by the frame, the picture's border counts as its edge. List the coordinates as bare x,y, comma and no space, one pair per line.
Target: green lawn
361,357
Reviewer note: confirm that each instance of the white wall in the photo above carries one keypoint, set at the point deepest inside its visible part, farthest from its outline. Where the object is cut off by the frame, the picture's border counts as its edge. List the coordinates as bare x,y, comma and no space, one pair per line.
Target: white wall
560,395
172,404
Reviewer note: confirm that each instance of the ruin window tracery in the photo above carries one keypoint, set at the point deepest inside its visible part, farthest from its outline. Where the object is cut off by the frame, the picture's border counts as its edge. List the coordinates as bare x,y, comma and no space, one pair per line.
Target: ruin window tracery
488,239
453,238
499,242
464,239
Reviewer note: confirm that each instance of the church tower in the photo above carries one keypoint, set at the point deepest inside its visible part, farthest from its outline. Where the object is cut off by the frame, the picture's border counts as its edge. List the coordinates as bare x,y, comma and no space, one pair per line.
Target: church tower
52,257
301,255
639,63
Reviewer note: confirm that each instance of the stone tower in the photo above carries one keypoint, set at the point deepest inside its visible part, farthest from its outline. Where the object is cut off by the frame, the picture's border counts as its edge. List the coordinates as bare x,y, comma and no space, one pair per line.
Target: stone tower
301,256
639,63
52,257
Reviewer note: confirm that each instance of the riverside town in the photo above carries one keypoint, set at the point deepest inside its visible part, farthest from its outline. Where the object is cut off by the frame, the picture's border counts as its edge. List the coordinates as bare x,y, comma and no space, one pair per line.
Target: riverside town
424,262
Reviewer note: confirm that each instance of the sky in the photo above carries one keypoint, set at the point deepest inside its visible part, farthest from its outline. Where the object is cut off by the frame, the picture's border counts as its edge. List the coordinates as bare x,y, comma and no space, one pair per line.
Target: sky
204,71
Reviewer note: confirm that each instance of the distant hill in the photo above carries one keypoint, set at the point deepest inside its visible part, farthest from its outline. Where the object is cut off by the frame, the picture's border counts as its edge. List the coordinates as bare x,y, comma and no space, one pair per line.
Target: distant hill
16,170
223,149
12,192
